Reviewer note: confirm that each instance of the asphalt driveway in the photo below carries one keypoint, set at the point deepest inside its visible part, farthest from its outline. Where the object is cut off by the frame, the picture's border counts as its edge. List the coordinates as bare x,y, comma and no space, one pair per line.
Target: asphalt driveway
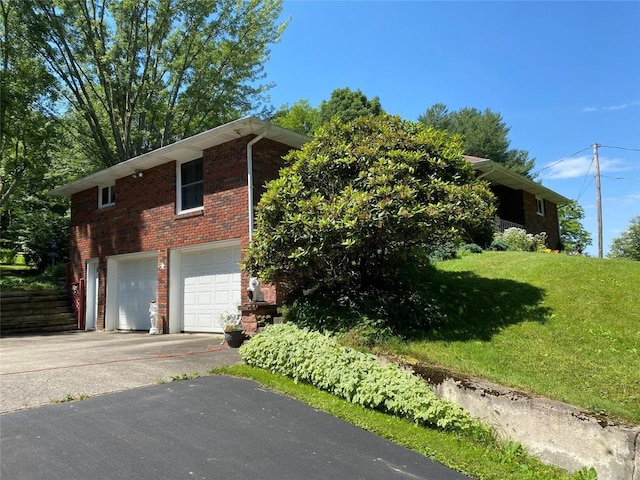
214,427
37,370
205,428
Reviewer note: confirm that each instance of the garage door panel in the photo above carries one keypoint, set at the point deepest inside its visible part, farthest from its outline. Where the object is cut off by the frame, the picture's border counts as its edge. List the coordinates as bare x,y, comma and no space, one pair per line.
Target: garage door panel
211,284
137,287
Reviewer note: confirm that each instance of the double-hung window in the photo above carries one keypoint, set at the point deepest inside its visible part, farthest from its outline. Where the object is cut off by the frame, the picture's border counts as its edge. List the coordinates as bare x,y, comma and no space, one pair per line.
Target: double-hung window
191,186
540,206
106,196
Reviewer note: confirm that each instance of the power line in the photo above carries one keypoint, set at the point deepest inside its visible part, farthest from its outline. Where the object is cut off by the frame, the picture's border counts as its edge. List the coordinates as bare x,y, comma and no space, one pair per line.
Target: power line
621,178
621,148
561,160
586,175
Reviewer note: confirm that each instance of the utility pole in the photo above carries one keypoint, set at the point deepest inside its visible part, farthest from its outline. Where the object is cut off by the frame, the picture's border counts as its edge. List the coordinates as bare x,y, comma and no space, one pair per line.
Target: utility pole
598,197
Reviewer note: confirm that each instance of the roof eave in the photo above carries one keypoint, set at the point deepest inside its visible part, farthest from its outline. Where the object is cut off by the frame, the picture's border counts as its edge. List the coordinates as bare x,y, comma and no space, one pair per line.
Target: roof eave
184,150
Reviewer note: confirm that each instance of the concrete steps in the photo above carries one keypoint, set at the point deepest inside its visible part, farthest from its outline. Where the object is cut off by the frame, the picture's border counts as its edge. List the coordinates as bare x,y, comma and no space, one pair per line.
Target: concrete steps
36,312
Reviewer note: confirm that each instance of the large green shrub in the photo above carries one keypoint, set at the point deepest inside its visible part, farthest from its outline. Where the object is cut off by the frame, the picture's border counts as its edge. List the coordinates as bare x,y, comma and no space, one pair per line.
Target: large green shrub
317,359
363,200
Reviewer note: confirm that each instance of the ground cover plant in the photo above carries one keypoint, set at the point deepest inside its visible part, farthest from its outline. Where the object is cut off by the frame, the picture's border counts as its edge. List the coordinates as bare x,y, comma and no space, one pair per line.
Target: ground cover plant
482,459
358,377
558,326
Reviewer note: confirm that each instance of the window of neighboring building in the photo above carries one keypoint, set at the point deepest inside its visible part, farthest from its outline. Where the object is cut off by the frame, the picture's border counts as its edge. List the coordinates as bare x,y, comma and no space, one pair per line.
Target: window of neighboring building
106,196
191,186
540,206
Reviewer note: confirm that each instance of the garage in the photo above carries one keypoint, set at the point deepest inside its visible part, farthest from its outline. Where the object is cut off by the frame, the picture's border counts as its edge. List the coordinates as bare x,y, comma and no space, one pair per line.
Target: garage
135,281
210,284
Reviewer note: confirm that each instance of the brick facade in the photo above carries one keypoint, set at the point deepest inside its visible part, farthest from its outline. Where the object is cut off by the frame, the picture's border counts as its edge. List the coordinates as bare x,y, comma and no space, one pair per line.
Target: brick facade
519,206
144,217
547,223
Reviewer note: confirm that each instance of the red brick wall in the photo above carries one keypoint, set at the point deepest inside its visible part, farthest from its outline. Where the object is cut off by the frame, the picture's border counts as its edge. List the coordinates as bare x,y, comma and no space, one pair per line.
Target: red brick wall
548,223
144,216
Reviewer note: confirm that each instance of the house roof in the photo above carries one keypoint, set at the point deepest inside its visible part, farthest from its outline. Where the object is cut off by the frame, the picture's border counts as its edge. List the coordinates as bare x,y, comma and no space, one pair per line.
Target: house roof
184,150
496,173
191,148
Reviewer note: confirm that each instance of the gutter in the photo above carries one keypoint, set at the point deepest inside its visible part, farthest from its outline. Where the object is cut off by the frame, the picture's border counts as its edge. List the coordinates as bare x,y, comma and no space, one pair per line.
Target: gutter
493,168
250,178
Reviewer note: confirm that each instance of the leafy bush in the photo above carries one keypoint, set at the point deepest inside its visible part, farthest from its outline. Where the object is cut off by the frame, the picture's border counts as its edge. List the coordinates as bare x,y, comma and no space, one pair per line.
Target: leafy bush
518,239
441,250
7,255
317,359
499,246
363,200
43,237
471,247
375,312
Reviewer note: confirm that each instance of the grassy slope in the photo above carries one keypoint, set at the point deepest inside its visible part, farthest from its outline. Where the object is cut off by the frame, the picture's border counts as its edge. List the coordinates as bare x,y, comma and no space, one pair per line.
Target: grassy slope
563,327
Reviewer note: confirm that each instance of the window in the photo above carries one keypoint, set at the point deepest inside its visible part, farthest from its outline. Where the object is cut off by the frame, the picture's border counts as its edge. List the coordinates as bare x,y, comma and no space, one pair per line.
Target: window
106,196
191,186
540,206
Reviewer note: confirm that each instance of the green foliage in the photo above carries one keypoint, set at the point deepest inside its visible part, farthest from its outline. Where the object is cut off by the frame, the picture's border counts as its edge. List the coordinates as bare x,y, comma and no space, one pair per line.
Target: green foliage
471,248
573,237
24,278
139,75
317,359
627,245
300,117
28,133
185,376
7,255
363,200
442,249
347,105
484,135
372,314
70,397
43,238
518,239
586,474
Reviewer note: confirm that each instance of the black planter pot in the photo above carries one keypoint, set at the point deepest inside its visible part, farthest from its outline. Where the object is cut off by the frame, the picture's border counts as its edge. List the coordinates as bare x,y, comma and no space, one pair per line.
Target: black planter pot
234,339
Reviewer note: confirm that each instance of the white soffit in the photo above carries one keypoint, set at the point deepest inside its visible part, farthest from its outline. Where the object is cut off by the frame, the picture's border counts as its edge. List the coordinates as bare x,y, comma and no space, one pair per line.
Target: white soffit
185,150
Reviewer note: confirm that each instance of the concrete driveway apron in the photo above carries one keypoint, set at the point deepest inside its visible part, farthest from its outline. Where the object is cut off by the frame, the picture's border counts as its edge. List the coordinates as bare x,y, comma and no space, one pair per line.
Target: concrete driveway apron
38,369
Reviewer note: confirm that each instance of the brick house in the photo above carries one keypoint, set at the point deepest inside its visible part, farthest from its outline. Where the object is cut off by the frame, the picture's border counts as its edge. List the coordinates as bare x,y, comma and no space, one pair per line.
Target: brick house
521,202
170,225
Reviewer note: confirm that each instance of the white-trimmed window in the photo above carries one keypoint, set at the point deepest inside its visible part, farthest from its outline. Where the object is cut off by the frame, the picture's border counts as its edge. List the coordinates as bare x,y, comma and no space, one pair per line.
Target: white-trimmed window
106,196
190,190
540,206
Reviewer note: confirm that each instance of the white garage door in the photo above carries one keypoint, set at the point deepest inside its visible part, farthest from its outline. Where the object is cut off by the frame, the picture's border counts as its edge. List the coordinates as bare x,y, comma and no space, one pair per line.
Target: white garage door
137,287
210,285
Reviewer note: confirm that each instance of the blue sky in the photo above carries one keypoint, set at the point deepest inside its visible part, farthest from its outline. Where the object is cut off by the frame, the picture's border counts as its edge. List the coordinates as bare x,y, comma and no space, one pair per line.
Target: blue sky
563,75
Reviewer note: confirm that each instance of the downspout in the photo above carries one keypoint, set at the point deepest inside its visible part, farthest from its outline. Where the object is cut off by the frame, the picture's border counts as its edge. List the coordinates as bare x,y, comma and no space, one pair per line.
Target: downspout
250,178
486,173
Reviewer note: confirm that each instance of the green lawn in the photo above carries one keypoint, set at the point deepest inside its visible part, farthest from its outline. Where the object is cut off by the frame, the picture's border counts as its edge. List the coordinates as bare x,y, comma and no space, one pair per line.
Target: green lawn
563,327
24,277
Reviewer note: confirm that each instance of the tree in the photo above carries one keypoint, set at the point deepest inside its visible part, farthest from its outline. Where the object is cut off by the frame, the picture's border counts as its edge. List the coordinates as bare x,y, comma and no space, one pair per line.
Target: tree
300,117
627,245
28,130
348,105
143,74
484,135
361,202
573,236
